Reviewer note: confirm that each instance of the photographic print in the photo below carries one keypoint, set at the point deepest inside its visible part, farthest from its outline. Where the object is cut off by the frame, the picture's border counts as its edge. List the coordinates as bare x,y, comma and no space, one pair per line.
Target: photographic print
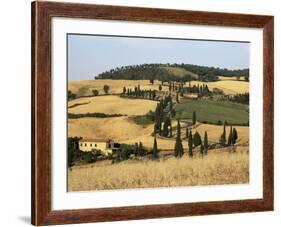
156,112
141,113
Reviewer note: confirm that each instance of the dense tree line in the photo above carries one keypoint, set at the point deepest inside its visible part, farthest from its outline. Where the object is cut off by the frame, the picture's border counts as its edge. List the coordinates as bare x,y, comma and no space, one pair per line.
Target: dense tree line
240,98
210,73
201,90
98,115
142,72
158,72
71,95
126,151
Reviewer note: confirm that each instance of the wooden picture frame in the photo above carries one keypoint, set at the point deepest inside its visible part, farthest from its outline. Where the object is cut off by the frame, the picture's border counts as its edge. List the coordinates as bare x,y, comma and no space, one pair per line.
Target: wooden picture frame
42,12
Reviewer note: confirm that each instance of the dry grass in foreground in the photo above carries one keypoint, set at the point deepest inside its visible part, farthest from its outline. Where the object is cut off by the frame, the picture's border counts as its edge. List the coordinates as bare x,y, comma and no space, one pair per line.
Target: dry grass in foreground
215,168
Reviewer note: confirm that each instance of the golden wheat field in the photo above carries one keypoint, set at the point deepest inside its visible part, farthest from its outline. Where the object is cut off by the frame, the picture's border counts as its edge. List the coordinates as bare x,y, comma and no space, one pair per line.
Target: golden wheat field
216,168
112,104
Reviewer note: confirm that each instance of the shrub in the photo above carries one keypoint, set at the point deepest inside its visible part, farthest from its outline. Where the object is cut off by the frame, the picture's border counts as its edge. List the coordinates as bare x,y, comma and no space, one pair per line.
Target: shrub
95,92
106,89
197,139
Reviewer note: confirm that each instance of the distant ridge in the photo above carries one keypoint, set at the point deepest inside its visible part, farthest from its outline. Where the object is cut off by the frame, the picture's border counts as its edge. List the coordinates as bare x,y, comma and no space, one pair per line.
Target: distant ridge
167,72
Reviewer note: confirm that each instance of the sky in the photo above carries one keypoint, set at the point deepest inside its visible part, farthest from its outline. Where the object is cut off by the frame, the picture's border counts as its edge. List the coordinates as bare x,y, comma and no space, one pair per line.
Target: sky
89,55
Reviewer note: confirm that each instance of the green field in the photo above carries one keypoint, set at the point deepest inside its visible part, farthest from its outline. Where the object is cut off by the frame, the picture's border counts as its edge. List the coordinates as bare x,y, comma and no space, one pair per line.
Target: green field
208,111
142,120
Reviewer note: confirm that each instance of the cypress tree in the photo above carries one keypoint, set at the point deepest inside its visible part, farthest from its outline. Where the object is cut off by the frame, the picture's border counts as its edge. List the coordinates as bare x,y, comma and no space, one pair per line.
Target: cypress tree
167,123
171,109
166,101
160,87
171,129
124,90
170,86
206,145
153,94
177,97
194,117
141,150
223,136
186,133
170,103
190,152
207,89
178,144
234,135
155,129
179,129
155,149
136,151
230,137
202,150
157,117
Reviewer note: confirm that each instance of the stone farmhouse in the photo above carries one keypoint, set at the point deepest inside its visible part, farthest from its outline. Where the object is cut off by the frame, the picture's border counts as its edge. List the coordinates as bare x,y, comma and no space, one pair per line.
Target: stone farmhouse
105,146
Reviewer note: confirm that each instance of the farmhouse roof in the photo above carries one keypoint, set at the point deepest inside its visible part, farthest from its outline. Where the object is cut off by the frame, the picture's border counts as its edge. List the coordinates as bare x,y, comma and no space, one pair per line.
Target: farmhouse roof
94,140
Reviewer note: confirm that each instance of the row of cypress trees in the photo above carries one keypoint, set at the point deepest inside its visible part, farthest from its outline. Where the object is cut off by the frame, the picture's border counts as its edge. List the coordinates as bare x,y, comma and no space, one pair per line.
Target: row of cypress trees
193,141
232,137
137,92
